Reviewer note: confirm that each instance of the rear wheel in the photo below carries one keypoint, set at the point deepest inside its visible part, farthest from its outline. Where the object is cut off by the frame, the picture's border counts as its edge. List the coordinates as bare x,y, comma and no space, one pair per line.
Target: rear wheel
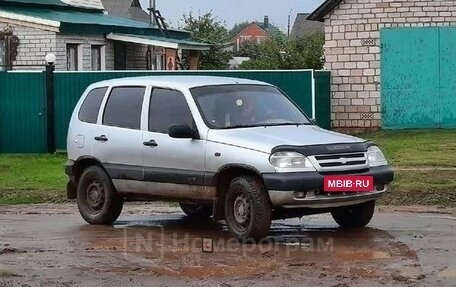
98,201
248,211
195,210
354,216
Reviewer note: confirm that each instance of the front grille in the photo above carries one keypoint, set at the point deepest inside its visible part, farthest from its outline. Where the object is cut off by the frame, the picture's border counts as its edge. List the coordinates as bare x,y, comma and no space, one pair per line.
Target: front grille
340,162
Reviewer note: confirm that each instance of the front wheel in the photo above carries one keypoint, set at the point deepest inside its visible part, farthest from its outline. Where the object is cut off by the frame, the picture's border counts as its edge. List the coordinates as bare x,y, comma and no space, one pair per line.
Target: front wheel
98,201
248,211
354,216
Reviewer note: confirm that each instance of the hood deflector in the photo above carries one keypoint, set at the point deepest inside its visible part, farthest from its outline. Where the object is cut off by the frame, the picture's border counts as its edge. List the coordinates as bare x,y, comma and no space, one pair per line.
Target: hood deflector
336,148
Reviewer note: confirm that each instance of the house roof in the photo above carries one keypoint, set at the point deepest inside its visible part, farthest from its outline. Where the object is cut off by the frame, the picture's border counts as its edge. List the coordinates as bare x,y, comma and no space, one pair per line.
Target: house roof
323,10
83,22
160,41
303,27
71,4
130,9
272,29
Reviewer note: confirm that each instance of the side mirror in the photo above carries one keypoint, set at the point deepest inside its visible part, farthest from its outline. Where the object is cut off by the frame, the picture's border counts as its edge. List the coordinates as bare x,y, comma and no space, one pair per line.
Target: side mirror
181,132
314,121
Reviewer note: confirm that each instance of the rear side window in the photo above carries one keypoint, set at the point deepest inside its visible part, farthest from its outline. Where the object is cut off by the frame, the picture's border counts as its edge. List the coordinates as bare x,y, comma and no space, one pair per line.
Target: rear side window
168,107
123,108
91,105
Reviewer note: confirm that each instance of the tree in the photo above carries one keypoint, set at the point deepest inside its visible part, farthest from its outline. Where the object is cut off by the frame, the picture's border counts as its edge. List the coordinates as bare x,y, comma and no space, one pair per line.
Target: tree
209,29
279,54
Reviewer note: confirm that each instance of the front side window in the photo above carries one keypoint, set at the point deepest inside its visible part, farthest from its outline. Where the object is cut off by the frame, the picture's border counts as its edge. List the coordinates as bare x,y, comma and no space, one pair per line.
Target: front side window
72,57
123,108
167,108
238,106
91,105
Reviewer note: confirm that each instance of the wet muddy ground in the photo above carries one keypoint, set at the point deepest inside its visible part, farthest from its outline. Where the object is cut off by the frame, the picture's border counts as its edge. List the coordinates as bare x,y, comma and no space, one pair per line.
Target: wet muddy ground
155,245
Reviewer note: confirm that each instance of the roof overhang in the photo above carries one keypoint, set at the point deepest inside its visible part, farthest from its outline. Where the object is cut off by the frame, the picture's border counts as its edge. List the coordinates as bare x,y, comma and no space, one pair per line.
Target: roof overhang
54,25
160,41
324,9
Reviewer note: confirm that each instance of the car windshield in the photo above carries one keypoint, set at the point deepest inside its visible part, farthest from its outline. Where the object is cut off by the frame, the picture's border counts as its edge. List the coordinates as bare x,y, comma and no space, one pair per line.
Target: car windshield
238,106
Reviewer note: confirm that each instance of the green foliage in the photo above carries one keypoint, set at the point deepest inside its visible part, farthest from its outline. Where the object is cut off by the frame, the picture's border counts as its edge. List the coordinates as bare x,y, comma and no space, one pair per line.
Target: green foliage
277,53
209,29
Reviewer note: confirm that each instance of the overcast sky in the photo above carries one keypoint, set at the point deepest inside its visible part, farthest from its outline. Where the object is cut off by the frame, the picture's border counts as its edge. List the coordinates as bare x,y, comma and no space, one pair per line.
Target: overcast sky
234,11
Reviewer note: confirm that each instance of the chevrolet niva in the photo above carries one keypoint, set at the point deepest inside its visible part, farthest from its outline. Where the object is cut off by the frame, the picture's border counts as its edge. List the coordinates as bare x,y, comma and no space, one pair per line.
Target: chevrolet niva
227,148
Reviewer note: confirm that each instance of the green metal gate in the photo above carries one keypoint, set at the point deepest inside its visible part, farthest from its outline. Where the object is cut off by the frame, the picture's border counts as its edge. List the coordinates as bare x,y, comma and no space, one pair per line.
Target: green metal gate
418,82
22,112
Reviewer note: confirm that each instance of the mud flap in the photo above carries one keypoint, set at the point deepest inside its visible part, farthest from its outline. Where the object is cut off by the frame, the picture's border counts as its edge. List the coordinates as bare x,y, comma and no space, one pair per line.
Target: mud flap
71,190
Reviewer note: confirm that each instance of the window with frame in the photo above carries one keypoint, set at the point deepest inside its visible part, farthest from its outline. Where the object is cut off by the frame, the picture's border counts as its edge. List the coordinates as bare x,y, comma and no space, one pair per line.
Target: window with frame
167,108
96,57
91,105
123,108
3,64
72,57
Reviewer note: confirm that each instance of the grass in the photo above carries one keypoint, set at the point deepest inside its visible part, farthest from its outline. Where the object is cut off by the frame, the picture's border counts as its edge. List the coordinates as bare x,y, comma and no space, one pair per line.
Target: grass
414,149
425,163
32,178
423,159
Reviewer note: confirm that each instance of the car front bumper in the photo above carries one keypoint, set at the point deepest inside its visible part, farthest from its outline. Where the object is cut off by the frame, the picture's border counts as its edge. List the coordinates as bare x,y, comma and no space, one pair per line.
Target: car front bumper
286,189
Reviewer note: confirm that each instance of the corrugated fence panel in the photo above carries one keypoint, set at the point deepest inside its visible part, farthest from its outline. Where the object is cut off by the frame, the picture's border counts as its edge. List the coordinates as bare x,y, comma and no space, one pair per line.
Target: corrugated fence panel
22,113
323,98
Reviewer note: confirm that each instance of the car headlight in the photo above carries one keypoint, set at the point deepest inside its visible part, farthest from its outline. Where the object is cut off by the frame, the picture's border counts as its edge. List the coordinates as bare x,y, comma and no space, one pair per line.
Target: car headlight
290,160
376,157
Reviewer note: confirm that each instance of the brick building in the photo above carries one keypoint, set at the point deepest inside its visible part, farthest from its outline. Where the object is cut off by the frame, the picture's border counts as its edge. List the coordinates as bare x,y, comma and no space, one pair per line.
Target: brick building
254,32
363,74
84,36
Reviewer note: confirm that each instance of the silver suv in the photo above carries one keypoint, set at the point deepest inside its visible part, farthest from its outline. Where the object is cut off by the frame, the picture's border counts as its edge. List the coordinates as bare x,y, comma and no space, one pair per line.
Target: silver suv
233,149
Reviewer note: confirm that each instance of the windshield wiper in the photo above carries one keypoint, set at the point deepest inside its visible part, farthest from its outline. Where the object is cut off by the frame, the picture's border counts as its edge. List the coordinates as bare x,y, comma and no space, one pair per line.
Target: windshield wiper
266,125
242,126
286,124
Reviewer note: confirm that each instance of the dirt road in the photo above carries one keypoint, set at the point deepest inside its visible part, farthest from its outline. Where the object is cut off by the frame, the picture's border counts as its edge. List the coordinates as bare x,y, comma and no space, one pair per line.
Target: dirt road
50,245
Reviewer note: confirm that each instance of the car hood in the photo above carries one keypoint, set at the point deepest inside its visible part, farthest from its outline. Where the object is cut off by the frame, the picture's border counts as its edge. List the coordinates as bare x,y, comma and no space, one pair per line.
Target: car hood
264,139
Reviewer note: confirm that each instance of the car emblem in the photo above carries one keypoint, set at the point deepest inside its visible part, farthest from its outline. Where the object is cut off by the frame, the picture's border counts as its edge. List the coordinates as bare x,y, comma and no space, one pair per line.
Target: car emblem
339,147
343,160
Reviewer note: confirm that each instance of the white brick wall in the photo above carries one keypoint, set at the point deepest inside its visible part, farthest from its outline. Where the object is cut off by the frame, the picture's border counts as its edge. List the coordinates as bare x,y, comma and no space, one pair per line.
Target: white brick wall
37,40
355,66
35,43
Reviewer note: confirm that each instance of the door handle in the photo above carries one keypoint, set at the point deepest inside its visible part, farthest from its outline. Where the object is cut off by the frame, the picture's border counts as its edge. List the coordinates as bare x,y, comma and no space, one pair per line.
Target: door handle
150,143
101,138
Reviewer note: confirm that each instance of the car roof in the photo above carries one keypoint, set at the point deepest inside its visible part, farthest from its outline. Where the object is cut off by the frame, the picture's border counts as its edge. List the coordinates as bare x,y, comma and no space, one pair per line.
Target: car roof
185,82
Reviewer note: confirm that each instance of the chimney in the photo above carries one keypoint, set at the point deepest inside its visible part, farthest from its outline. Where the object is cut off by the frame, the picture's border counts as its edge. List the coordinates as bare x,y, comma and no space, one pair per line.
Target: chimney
266,22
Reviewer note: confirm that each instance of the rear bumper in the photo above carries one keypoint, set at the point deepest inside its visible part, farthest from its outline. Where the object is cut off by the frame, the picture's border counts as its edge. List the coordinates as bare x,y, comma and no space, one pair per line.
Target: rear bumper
282,189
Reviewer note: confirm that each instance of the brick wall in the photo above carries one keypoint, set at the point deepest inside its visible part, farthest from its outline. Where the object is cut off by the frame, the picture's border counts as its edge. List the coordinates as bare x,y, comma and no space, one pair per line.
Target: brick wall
85,43
353,54
35,42
38,40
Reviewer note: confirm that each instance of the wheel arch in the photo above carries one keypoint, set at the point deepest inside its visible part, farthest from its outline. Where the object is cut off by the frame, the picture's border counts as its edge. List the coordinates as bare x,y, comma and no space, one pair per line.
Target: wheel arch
222,180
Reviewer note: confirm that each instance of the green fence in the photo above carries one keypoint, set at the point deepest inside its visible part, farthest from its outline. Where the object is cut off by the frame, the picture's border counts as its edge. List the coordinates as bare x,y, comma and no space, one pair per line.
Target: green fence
22,105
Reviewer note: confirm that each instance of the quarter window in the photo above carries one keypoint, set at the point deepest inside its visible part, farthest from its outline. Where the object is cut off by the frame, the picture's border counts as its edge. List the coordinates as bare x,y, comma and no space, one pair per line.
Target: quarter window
89,109
123,108
168,107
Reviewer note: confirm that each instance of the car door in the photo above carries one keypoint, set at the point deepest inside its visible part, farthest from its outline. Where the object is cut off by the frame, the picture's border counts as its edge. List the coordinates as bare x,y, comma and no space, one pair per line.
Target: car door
118,141
170,160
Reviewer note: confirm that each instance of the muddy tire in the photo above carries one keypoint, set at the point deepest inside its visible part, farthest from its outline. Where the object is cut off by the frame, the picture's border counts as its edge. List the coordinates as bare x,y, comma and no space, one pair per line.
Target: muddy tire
98,201
354,216
197,211
248,210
